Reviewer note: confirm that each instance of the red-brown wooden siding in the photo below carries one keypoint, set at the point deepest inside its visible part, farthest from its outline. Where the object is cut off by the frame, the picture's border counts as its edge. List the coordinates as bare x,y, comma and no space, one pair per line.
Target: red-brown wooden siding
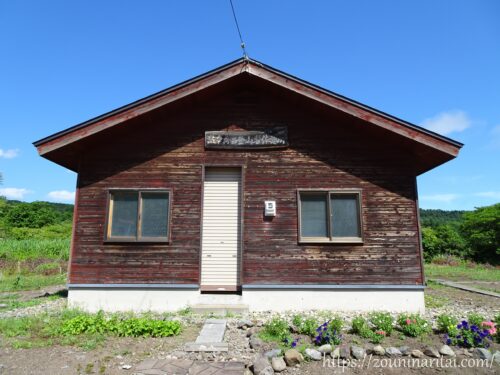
328,149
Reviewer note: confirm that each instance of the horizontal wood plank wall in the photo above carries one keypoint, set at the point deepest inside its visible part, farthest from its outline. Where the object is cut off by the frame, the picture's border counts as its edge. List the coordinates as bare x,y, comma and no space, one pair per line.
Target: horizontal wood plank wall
165,149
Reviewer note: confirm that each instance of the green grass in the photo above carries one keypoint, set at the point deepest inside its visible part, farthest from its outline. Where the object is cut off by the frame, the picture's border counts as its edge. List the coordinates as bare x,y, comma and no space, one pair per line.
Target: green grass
12,301
462,272
11,283
435,301
20,250
45,330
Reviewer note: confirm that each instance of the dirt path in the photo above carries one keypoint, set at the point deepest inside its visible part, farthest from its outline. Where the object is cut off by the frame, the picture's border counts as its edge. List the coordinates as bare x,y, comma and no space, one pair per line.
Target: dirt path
106,359
26,295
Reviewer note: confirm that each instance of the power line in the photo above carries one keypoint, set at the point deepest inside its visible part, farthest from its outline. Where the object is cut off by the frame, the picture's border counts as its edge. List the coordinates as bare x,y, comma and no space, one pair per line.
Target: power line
242,45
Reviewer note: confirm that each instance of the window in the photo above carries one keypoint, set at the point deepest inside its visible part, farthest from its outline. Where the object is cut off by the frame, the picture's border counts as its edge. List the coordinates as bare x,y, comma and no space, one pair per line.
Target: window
330,216
138,215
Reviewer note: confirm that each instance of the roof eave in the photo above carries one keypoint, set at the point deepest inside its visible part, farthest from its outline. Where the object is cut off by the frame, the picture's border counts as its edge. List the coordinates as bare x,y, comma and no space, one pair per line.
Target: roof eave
269,73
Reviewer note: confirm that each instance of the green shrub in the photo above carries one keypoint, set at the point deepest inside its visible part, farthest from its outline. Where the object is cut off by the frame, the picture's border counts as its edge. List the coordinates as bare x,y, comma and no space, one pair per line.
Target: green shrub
30,215
305,326
481,229
85,323
336,323
496,319
361,327
447,324
276,329
382,321
476,319
413,325
329,332
129,327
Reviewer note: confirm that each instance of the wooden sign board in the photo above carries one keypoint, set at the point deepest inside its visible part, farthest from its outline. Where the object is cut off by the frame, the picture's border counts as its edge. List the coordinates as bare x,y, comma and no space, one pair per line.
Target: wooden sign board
275,137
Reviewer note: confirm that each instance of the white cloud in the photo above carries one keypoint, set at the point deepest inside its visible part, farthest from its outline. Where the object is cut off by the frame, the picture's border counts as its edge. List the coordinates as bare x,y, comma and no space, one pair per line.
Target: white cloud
9,154
488,194
445,198
62,195
448,122
14,193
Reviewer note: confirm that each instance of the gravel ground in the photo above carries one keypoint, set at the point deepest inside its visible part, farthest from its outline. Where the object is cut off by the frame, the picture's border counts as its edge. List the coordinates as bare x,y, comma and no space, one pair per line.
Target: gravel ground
116,352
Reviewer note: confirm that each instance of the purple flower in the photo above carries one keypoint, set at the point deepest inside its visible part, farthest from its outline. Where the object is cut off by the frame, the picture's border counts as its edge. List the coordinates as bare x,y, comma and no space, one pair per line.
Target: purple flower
448,341
294,344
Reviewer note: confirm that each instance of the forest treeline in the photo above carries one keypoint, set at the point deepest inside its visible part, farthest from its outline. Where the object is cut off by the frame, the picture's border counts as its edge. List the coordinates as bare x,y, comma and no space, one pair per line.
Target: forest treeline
471,235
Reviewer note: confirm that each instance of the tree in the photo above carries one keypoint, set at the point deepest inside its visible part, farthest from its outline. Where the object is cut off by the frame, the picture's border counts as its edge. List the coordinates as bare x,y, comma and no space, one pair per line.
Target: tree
443,240
481,228
430,243
30,215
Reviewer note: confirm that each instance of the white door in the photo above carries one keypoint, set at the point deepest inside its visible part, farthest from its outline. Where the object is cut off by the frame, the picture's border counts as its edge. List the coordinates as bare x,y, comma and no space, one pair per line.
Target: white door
221,229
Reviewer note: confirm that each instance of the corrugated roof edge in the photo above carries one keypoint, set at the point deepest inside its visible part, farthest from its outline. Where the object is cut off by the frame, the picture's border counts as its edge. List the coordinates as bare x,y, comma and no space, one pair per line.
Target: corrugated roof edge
265,66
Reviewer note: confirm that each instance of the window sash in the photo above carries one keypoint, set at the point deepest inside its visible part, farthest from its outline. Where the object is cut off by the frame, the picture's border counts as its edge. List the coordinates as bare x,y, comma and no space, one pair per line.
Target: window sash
328,195
138,237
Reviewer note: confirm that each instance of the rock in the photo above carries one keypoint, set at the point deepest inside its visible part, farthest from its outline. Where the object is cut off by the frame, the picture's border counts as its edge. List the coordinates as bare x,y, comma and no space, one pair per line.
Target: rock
391,351
293,357
326,349
431,352
336,353
378,350
273,353
178,354
245,323
126,367
483,353
417,353
405,350
446,350
3,305
314,354
357,352
255,342
345,353
463,352
261,366
248,372
278,364
252,331
496,357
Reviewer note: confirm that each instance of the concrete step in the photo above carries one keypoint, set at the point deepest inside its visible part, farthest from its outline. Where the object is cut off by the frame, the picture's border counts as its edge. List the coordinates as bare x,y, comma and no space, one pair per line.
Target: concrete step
206,347
219,309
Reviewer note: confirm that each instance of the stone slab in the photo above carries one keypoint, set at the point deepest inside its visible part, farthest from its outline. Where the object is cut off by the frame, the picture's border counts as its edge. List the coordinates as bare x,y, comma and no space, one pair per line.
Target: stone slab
187,367
465,287
213,331
206,347
219,309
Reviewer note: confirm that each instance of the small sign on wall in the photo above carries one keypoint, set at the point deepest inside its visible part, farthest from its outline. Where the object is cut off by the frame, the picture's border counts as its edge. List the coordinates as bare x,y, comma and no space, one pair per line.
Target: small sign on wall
270,208
274,137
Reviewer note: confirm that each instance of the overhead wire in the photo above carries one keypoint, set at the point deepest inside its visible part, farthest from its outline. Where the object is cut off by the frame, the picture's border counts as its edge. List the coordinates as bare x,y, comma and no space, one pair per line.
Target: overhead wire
242,45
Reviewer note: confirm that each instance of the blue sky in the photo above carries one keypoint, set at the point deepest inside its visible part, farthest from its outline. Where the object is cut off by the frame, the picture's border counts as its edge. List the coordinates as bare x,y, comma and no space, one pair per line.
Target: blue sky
433,63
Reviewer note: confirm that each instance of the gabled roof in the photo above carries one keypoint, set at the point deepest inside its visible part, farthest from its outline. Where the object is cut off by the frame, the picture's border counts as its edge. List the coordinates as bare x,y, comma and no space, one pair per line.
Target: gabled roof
257,69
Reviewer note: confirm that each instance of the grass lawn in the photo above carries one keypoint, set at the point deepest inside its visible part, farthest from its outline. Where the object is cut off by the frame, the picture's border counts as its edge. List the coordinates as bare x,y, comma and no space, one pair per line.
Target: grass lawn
462,272
12,283
11,301
74,327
